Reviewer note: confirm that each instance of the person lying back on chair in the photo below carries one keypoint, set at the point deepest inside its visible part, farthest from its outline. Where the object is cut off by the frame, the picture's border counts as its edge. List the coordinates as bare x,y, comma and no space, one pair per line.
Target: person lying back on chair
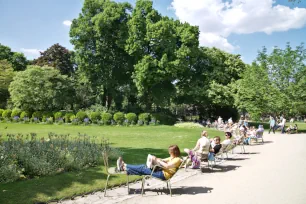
169,165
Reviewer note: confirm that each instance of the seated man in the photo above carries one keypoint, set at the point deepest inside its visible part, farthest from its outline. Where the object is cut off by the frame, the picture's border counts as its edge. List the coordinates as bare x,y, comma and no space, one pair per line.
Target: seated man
215,148
169,165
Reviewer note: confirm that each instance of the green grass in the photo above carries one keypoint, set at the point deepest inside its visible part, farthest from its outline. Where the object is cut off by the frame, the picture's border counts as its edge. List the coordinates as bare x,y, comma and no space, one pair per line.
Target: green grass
134,142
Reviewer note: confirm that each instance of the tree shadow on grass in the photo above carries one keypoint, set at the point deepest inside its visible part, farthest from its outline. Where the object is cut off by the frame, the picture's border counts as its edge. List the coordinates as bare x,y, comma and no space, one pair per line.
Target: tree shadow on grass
71,184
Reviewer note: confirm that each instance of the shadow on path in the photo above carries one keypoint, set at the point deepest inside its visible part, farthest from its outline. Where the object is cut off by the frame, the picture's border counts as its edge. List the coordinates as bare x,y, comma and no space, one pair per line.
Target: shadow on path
218,169
180,190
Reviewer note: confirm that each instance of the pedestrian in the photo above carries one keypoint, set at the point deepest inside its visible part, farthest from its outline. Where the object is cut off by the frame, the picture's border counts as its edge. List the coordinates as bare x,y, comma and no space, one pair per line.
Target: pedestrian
272,124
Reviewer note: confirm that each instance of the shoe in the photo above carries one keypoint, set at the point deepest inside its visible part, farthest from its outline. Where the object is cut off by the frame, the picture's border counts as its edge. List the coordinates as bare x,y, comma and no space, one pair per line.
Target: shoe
119,165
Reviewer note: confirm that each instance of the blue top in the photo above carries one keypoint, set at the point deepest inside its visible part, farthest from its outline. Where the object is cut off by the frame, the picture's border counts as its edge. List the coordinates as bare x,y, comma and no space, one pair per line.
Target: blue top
272,122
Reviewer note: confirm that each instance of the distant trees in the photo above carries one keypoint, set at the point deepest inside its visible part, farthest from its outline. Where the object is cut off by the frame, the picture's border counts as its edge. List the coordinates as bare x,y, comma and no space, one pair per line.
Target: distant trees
58,57
18,60
274,83
6,77
136,60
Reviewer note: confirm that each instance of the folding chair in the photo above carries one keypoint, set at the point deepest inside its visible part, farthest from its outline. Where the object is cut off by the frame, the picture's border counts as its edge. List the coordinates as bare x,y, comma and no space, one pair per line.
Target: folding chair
168,182
259,136
111,171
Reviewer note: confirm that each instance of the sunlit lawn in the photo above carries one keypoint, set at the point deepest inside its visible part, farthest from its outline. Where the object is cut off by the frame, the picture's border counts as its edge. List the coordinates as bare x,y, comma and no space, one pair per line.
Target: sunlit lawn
134,142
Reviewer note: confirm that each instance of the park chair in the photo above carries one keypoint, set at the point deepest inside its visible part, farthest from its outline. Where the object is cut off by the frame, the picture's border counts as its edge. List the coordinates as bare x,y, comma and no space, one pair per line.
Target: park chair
168,182
219,155
111,171
259,136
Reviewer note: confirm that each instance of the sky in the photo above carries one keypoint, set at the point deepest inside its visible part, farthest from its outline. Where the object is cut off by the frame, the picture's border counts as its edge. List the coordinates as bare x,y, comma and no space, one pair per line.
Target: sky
237,26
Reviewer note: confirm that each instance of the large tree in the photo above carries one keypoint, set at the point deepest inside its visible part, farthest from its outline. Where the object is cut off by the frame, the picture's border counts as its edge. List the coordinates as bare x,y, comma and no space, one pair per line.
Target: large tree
162,49
6,77
41,88
207,85
98,36
18,60
58,57
275,83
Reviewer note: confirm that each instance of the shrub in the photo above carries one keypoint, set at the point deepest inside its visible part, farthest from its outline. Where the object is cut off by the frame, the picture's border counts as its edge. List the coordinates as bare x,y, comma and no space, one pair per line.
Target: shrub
144,117
56,154
164,119
74,120
95,117
68,116
37,114
46,115
81,115
131,117
7,114
24,114
58,115
1,111
106,118
15,112
49,120
119,118
188,125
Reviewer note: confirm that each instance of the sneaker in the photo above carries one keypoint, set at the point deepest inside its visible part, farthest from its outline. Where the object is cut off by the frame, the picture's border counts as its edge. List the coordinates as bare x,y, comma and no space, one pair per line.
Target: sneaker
119,164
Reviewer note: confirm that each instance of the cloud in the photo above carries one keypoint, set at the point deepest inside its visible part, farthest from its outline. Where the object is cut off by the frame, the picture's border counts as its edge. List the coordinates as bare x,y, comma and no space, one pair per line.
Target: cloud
67,23
32,53
218,19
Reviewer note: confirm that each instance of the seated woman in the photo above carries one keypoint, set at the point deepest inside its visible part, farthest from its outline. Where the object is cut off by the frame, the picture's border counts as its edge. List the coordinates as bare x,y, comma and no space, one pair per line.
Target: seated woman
251,133
169,165
200,151
291,129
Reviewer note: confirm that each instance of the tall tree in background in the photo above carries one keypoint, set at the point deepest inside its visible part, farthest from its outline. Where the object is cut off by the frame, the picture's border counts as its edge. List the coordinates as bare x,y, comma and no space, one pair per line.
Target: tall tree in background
208,83
18,60
161,48
6,77
58,57
275,83
99,35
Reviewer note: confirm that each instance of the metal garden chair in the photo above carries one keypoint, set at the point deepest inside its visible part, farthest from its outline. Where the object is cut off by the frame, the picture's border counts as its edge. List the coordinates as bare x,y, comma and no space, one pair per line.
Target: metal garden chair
168,182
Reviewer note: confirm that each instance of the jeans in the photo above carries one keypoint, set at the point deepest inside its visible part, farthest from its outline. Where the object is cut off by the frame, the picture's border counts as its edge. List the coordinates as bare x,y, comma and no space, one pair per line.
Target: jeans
272,128
143,170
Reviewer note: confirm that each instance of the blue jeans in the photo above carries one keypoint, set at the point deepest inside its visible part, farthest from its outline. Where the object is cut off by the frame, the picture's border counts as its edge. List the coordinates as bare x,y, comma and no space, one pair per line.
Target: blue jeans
211,156
143,170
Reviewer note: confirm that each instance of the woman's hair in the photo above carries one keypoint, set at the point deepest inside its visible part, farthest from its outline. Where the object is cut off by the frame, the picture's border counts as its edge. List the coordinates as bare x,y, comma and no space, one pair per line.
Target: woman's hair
175,150
217,138
204,133
229,134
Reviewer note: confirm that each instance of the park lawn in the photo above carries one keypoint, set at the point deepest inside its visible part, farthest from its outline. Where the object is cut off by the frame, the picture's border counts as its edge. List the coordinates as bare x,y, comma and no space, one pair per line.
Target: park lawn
135,143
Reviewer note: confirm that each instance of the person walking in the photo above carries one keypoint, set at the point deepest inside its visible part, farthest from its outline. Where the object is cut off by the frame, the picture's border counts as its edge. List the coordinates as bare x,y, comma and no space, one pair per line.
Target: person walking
272,125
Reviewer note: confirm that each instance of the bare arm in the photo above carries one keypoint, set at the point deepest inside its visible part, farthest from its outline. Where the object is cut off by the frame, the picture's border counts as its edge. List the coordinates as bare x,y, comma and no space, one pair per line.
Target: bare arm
197,146
166,165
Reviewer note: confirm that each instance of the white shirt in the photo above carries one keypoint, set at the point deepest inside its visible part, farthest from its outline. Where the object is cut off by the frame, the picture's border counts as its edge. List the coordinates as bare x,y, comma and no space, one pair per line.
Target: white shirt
202,145
226,142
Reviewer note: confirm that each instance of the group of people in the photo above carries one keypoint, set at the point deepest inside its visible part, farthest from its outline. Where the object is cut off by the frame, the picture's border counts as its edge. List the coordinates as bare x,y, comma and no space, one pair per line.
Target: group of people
281,125
170,165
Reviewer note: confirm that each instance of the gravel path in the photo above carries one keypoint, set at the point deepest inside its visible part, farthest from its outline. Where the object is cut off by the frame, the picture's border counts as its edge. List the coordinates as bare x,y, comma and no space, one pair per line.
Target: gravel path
271,173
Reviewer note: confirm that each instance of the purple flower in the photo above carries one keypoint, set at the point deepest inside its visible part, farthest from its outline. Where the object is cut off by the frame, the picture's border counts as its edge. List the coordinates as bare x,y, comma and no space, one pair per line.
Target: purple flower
16,117
86,120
